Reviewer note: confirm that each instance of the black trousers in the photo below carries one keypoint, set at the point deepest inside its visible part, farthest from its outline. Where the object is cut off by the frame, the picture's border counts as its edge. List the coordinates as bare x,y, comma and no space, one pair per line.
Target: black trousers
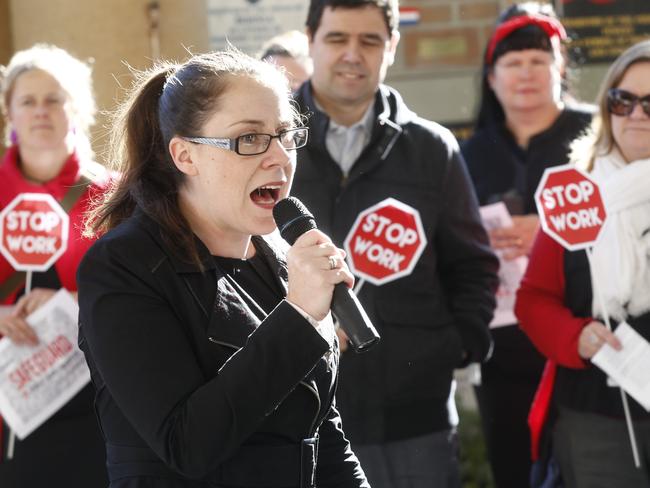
508,385
428,461
66,451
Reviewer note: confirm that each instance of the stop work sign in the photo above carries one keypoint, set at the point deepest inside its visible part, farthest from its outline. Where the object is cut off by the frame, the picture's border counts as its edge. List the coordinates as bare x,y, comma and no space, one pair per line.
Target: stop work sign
385,242
33,231
570,207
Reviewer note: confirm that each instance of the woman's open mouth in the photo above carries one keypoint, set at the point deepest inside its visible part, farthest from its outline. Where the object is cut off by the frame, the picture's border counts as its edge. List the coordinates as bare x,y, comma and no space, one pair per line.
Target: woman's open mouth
266,196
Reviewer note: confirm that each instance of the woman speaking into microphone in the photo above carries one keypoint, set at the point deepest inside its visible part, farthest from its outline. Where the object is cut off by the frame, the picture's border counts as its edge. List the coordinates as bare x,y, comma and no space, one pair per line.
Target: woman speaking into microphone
213,356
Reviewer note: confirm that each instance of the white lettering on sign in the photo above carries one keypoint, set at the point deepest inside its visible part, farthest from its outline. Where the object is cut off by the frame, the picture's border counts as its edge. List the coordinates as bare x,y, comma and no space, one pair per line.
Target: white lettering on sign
575,220
23,220
376,253
32,244
573,193
394,232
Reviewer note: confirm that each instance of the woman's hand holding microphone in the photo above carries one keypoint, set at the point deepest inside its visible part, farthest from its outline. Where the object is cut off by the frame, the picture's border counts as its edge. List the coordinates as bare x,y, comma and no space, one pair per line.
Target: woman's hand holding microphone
315,266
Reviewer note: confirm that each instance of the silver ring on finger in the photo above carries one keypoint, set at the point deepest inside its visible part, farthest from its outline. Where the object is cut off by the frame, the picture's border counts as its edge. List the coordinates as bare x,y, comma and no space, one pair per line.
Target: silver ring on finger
593,338
333,262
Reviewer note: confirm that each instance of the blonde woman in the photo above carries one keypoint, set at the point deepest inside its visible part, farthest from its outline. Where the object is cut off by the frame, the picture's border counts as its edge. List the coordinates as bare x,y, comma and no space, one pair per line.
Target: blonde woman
48,104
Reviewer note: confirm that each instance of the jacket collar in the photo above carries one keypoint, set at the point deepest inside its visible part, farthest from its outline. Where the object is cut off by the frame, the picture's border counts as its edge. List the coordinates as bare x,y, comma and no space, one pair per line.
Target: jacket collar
271,247
178,263
234,317
390,114
231,319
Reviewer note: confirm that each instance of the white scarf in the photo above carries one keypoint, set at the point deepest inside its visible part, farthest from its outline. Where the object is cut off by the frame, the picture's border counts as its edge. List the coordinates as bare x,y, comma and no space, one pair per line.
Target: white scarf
620,264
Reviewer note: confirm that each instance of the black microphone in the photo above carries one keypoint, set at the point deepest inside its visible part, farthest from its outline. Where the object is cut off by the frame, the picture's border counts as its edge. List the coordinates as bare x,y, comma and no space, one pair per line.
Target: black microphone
293,220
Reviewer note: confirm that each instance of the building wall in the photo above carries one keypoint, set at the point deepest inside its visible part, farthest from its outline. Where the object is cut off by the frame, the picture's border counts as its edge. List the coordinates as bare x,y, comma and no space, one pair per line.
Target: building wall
6,48
436,68
437,65
5,32
113,35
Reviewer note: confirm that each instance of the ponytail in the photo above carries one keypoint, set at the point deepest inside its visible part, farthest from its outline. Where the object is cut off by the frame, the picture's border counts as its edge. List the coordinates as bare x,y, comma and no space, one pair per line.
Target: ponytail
168,100
148,177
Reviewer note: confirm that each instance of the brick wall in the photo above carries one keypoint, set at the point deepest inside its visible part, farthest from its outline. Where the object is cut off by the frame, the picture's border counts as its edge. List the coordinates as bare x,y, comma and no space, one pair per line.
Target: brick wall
451,34
442,54
113,34
436,68
6,49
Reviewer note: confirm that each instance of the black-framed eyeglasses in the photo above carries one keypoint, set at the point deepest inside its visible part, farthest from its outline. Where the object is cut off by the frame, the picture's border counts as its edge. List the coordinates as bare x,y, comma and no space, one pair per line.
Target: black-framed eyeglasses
255,143
622,102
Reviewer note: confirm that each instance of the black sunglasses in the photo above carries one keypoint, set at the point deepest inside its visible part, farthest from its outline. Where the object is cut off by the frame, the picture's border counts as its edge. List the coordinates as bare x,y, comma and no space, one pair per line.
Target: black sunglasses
622,102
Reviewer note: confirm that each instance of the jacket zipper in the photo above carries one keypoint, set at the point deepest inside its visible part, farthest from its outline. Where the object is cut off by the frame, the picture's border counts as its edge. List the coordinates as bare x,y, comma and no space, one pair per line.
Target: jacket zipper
312,430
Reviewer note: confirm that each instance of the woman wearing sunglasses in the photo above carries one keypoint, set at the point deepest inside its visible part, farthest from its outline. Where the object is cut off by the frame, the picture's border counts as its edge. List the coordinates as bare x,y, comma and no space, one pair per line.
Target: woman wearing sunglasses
525,124
558,305
212,352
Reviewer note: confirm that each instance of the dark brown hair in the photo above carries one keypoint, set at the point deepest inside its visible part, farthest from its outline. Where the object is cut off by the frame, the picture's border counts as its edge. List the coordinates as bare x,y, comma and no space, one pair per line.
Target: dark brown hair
490,110
389,9
168,100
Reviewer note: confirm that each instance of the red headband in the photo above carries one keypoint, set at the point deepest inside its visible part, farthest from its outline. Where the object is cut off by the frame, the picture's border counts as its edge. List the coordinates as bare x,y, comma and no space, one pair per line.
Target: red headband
552,28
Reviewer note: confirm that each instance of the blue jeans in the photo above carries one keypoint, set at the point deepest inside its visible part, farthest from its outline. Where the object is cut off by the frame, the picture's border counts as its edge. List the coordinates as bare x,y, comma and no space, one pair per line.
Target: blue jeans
429,461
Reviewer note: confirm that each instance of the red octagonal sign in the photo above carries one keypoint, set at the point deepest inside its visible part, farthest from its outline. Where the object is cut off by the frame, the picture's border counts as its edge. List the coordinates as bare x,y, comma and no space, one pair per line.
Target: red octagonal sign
570,207
33,231
385,242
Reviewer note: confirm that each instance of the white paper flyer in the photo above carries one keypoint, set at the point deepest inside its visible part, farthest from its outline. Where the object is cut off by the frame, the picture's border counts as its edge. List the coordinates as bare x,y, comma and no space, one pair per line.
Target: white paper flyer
628,367
36,381
496,216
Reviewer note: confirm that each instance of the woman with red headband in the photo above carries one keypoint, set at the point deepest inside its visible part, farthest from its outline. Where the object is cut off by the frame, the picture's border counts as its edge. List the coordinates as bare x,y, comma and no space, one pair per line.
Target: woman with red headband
525,124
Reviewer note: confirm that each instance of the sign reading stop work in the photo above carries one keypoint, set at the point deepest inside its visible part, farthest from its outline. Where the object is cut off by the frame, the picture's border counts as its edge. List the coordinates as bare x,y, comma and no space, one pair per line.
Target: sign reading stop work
570,207
385,242
33,231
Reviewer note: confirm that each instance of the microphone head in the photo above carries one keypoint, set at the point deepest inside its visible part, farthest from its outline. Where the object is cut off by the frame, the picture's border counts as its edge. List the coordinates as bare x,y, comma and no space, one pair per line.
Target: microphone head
292,218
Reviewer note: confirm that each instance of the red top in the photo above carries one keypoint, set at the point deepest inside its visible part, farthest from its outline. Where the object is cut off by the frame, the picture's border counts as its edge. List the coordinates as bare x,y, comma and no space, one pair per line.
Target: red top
12,182
549,324
541,309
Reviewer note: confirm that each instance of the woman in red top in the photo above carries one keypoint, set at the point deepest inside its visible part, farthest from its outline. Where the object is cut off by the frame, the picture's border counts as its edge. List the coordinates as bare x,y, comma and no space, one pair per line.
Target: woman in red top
48,104
561,308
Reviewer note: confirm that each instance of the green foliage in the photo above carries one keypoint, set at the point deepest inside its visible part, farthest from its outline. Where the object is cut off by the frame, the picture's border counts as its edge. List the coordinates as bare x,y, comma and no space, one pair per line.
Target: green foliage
474,467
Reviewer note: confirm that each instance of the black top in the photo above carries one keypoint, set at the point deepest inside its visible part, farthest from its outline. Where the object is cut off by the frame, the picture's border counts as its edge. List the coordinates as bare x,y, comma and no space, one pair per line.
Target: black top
254,280
192,387
586,390
502,170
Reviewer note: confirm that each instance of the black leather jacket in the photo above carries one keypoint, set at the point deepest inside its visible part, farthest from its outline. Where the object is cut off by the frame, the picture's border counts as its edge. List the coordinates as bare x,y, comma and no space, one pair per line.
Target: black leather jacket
434,319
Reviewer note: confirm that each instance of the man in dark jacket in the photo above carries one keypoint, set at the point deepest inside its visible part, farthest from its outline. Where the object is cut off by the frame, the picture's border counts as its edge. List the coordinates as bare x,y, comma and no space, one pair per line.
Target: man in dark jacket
365,146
